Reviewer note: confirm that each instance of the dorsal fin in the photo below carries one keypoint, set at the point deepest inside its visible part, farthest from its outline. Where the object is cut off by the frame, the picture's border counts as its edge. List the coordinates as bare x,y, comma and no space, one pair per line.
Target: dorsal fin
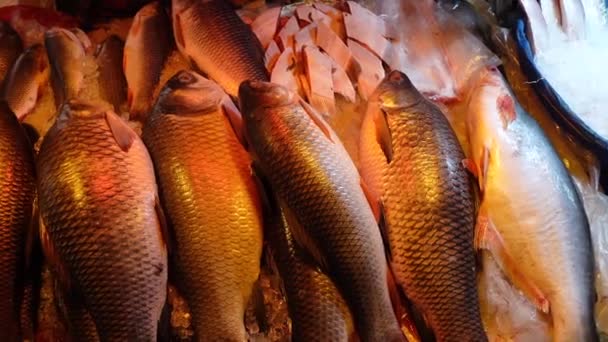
123,134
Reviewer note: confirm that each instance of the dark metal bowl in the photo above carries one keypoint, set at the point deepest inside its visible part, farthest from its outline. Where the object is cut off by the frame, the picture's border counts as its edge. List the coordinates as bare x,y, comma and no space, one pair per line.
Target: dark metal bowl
559,110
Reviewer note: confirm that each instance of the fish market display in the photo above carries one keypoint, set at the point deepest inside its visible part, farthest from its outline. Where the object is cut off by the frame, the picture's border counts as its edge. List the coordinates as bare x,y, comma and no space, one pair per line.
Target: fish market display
218,42
307,171
101,224
310,170
25,81
146,49
66,56
113,84
18,186
412,163
316,307
531,217
211,200
10,48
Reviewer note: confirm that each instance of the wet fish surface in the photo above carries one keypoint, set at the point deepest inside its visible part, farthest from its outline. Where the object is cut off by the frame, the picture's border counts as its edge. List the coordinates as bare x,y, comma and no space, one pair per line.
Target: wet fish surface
412,162
317,309
531,217
101,224
10,48
18,188
211,200
66,56
24,82
147,47
112,82
308,168
221,45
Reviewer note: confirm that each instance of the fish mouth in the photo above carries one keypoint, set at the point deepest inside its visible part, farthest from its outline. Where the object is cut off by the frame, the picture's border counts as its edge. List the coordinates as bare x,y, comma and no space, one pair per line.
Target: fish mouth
260,94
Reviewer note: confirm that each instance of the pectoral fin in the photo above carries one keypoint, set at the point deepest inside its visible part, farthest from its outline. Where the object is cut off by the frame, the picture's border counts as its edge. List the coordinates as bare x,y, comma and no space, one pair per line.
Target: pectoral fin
488,238
236,120
304,240
123,134
317,119
383,134
53,258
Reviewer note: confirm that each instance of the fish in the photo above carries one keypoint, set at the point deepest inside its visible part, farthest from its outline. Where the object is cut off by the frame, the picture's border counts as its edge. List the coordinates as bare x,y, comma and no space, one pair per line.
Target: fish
113,85
146,49
317,309
25,81
10,48
102,227
217,41
411,161
18,188
304,163
210,198
531,218
66,57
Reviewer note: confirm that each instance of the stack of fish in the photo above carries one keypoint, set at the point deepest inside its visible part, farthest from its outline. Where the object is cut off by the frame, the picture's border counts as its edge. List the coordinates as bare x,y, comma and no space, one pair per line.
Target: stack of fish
237,153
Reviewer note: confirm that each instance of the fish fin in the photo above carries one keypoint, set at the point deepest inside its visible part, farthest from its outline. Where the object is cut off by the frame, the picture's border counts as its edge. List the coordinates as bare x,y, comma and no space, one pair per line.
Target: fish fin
488,238
317,119
384,230
403,314
374,202
50,253
470,165
123,134
383,135
304,240
233,115
177,32
165,233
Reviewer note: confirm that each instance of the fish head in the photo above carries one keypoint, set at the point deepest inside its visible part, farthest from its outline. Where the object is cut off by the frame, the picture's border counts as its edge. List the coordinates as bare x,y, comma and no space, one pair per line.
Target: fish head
150,10
261,103
187,92
396,91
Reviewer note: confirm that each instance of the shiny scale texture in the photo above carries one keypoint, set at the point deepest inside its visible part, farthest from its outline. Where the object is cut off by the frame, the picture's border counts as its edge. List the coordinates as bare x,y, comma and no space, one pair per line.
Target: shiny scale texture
213,205
17,192
221,45
430,219
319,182
317,309
98,205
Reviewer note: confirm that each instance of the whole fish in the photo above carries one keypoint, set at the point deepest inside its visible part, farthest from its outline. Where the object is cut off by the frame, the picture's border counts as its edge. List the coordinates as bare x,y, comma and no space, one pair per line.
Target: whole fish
18,189
211,200
112,82
531,217
147,46
309,169
218,42
24,82
10,48
412,163
101,220
66,56
317,309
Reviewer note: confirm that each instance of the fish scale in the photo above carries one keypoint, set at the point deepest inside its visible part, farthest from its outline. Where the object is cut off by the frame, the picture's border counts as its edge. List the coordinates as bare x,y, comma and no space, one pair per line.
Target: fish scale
428,206
317,310
320,184
97,203
221,45
212,202
17,188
